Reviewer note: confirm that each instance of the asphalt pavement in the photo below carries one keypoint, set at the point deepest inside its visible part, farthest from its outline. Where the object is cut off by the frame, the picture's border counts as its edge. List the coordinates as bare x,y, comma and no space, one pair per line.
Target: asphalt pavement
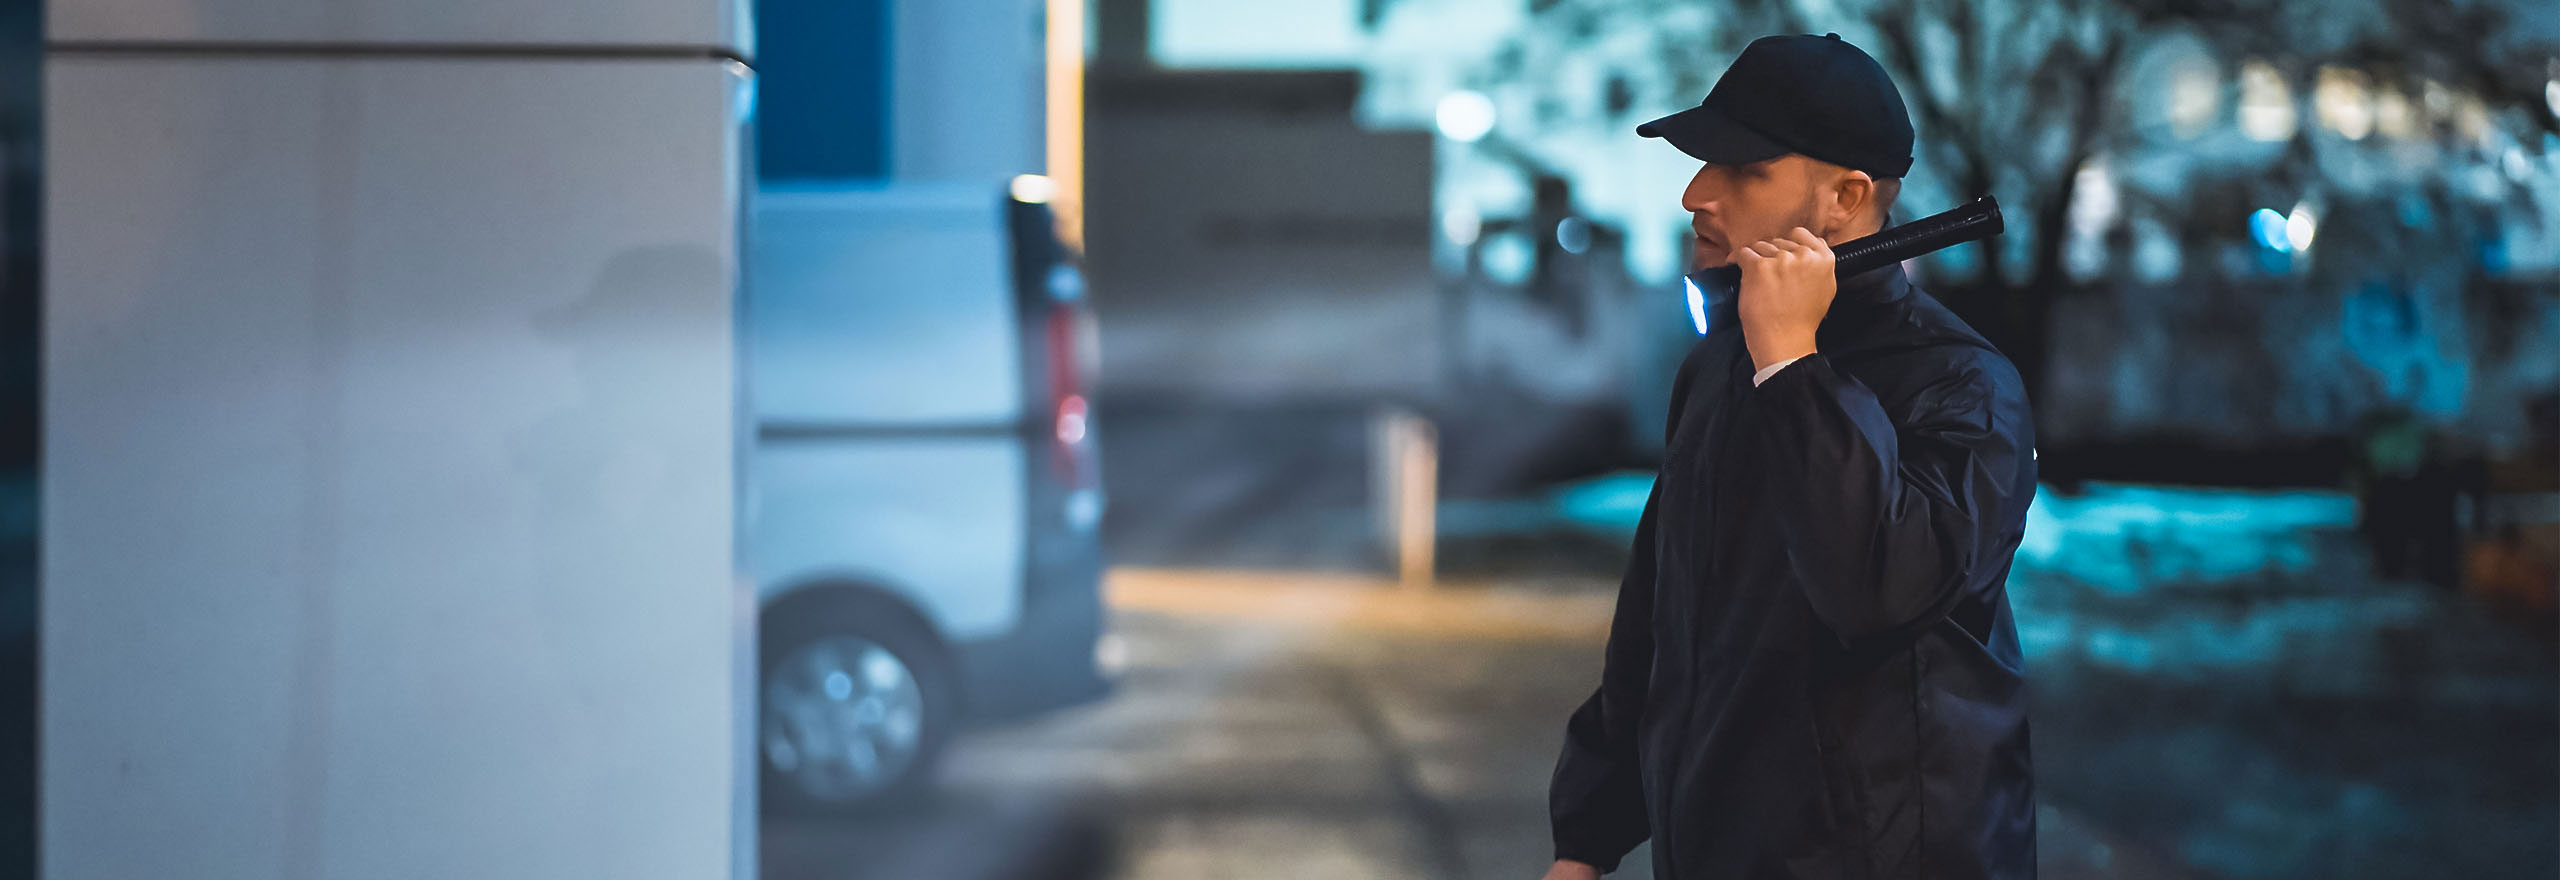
1291,725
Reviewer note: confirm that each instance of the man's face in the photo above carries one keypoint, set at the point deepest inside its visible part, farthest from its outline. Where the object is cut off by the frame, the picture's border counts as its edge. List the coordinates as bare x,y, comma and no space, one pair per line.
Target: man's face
1731,206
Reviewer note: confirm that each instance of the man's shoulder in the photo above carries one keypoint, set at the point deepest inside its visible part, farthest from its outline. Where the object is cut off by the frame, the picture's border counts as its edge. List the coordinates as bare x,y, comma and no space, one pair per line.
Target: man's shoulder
1980,366
1937,373
1956,349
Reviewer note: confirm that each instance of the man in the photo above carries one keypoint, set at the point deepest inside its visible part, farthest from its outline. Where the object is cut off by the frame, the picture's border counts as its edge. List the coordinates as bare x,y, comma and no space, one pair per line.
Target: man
1813,671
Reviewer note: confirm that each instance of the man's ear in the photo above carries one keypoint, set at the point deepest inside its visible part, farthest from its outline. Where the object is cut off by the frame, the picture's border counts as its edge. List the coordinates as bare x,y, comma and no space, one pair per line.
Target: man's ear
1854,197
1842,197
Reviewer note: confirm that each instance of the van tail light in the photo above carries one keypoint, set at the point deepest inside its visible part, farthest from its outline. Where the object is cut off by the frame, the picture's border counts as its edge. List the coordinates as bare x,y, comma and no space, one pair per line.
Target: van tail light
1071,461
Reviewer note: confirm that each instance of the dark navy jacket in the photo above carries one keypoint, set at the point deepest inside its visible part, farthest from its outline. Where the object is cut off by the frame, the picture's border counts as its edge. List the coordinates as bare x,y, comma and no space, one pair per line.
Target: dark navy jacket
1813,671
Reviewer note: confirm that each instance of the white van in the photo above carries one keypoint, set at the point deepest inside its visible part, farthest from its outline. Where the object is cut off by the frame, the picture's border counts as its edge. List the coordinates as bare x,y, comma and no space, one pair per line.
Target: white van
925,494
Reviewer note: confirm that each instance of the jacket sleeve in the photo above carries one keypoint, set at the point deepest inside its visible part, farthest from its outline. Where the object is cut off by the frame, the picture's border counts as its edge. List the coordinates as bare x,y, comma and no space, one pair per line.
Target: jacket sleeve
1596,799
1892,524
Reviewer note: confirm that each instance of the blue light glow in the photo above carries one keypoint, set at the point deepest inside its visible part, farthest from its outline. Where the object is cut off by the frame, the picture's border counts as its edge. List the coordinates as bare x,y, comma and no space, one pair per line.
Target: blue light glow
1573,234
1509,258
1697,305
1065,283
2268,227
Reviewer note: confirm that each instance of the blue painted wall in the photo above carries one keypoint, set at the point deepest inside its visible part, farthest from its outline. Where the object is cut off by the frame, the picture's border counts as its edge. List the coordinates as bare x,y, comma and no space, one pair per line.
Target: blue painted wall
822,103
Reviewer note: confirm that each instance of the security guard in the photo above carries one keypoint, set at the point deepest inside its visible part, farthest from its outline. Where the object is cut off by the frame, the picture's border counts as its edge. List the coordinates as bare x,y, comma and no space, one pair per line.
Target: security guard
1813,671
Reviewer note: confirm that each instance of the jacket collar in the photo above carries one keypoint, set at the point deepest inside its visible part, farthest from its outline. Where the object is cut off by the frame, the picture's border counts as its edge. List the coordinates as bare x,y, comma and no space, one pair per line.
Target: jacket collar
1882,284
1865,311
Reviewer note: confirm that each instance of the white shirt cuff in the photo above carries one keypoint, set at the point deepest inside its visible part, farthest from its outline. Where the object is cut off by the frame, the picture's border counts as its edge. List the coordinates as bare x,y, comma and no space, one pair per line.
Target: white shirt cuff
1772,370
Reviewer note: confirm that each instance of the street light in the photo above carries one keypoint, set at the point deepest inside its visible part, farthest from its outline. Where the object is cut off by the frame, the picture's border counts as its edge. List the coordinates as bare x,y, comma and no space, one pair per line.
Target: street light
2298,228
2344,102
1465,116
2266,103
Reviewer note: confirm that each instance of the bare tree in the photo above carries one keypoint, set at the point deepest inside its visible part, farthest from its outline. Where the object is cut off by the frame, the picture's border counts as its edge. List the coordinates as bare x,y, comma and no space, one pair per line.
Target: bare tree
2016,97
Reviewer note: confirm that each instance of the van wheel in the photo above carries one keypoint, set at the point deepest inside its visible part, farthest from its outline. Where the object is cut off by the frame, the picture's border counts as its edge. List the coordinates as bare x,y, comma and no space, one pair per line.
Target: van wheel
853,716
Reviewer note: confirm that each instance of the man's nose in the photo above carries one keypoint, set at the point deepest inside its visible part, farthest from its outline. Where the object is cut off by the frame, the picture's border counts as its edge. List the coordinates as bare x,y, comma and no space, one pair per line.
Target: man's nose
1699,204
1700,197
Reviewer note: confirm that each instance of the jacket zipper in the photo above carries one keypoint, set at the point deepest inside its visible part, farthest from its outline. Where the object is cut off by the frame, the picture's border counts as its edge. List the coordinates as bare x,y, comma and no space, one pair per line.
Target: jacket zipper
1729,407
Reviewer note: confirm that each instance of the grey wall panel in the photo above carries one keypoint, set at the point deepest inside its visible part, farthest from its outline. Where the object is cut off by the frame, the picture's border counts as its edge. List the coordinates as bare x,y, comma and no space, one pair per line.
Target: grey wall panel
629,23
391,412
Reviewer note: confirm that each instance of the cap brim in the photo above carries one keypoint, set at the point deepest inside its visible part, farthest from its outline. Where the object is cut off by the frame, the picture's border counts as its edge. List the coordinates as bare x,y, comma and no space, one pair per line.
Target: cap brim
1710,136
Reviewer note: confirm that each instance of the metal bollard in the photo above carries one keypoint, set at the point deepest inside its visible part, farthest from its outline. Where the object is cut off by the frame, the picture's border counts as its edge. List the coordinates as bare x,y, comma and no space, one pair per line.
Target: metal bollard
1404,491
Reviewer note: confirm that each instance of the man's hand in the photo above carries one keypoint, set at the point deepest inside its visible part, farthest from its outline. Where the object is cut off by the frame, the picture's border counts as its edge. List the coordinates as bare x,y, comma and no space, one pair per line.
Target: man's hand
1566,869
1787,286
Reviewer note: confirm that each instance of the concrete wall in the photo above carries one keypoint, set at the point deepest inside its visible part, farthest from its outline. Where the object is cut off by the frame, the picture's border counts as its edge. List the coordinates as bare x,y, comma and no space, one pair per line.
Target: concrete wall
390,420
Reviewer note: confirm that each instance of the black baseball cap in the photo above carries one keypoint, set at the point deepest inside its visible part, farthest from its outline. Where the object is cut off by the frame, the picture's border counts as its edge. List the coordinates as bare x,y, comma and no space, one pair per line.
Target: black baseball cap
1797,93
